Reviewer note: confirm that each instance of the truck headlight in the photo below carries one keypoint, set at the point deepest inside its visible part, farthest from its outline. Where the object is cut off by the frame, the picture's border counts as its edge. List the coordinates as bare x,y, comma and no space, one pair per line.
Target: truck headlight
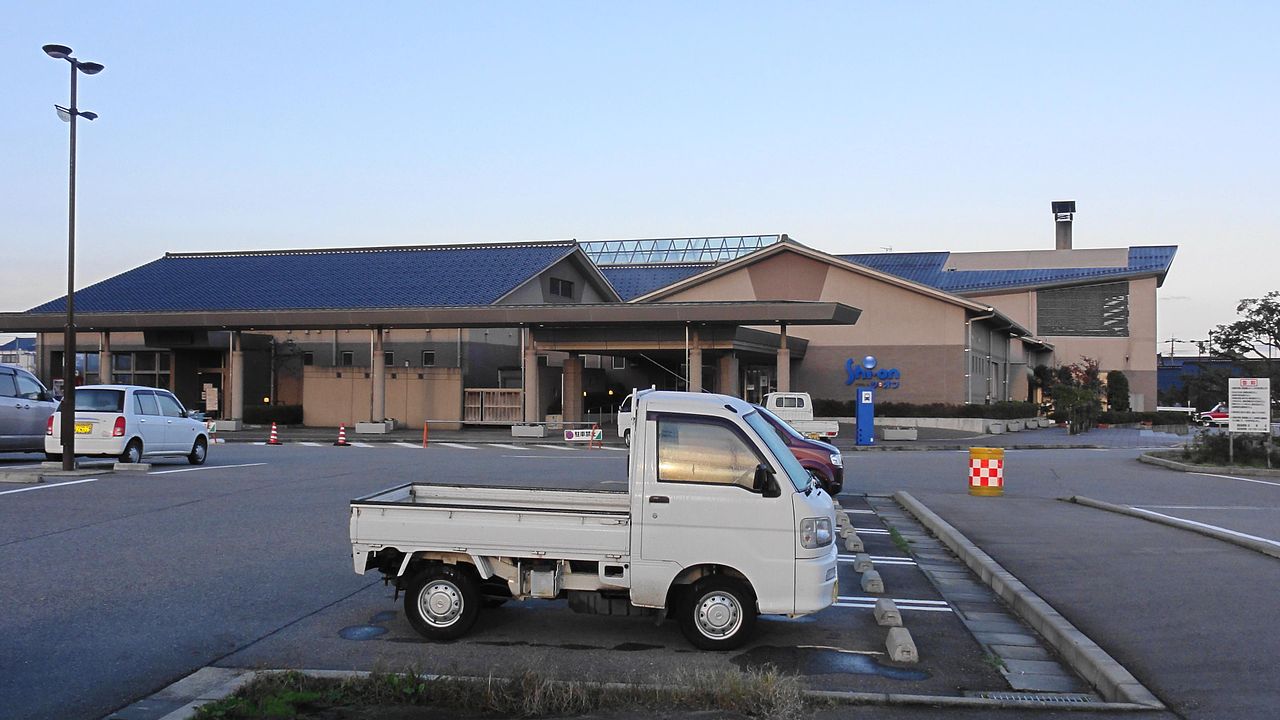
837,460
815,532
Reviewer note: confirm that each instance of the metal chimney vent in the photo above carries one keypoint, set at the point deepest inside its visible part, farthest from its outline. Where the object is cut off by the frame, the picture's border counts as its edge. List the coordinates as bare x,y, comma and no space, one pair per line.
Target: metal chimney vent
1063,212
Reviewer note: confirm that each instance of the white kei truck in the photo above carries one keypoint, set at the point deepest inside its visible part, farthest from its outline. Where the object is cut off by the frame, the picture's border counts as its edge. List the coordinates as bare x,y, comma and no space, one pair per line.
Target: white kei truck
719,523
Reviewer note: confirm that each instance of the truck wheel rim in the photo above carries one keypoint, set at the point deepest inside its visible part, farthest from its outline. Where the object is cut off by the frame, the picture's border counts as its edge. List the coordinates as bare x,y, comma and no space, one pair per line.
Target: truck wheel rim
440,603
719,615
134,454
199,452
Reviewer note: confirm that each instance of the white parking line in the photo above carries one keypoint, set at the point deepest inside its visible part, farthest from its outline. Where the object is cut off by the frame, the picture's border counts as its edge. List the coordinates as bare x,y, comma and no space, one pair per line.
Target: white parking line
861,598
566,457
870,531
360,444
615,449
203,467
1232,477
310,444
861,512
508,447
459,446
879,560
554,447
898,604
1246,536
44,486
1205,507
259,443
408,445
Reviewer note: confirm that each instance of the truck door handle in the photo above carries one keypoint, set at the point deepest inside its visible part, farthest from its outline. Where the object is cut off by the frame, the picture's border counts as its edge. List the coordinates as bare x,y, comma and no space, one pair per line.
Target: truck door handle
659,499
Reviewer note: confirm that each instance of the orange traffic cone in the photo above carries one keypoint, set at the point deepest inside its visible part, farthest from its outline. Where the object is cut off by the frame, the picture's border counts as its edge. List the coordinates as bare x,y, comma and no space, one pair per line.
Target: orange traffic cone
275,439
342,436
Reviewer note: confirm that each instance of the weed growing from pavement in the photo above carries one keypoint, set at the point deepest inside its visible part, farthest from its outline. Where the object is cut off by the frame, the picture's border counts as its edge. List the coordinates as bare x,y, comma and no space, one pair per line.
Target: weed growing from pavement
757,693
902,543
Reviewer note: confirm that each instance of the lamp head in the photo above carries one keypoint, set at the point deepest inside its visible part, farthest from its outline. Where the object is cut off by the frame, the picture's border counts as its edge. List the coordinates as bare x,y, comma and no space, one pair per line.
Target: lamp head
58,52
87,115
90,68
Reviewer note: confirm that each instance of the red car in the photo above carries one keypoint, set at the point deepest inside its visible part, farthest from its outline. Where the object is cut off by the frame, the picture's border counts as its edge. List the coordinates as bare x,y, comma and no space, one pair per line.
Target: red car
1219,415
820,458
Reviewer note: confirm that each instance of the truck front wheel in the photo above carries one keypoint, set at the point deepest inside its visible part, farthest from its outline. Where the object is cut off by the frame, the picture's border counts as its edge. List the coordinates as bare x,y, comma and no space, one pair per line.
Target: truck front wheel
718,613
442,602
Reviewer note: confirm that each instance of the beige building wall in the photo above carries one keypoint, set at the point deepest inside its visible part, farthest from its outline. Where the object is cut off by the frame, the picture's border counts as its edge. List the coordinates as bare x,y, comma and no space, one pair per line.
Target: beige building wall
921,335
1134,355
342,395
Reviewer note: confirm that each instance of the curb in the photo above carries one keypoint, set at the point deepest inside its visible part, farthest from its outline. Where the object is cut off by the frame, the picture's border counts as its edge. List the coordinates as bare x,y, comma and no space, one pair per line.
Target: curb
240,677
1262,545
1150,459
1092,662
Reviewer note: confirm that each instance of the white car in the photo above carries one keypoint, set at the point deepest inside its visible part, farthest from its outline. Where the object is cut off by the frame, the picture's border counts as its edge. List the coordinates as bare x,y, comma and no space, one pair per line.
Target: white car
130,422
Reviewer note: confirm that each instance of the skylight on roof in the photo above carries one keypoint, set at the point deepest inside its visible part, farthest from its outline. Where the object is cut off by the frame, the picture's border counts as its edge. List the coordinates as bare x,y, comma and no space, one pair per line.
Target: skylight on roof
674,250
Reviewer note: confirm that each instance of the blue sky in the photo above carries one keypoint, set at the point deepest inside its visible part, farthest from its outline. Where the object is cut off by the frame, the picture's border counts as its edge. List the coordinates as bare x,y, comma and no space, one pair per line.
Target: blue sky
850,126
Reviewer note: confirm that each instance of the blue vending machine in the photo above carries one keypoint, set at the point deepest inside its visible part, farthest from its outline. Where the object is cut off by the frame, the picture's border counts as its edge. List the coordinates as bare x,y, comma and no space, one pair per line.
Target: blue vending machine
866,417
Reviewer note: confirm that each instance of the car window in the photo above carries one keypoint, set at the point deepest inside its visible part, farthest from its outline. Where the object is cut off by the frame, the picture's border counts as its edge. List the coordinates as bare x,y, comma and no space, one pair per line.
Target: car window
99,400
7,386
704,452
626,405
144,403
28,388
169,405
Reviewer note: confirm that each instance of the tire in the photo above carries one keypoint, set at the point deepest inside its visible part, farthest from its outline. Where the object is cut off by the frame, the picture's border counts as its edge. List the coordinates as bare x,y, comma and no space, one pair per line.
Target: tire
199,452
132,452
53,457
442,602
718,613
626,437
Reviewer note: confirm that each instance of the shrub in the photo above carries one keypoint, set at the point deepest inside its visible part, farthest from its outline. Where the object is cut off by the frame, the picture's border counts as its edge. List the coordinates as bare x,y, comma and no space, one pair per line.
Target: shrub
1117,391
1213,448
281,414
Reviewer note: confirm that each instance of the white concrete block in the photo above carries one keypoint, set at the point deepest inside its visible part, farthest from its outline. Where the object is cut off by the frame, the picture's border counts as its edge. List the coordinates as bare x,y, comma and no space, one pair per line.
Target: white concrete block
862,563
853,544
887,613
373,428
995,427
872,583
891,433
131,467
529,431
1014,425
901,647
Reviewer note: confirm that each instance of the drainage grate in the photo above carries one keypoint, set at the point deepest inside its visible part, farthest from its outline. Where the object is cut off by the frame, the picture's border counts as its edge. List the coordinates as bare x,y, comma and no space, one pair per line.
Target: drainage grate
1046,698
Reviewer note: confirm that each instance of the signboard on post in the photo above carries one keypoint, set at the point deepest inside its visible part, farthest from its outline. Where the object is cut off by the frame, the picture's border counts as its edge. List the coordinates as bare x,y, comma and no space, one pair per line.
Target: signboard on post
1249,405
584,435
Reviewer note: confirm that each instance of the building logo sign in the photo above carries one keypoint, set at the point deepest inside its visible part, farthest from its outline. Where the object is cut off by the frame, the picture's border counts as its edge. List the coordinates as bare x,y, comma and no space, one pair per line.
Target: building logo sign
866,374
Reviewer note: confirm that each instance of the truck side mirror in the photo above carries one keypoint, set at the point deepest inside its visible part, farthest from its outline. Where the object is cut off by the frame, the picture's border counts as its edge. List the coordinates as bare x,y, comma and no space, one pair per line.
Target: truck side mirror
765,483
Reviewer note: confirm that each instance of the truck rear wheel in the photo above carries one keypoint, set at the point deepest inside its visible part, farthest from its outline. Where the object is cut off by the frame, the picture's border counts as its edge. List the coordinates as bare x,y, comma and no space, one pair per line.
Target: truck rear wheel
442,602
718,613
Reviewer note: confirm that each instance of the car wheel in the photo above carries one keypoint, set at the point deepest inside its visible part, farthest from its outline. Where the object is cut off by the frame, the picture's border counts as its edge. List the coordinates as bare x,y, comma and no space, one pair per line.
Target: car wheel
442,602
132,452
626,437
199,452
719,613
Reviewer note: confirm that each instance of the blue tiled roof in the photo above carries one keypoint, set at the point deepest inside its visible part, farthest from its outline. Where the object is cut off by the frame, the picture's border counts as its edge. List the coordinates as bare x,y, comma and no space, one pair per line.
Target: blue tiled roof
403,277
20,345
634,281
927,268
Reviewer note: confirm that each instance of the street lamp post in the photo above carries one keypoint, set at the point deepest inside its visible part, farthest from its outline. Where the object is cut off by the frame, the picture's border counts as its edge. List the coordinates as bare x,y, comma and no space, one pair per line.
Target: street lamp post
70,114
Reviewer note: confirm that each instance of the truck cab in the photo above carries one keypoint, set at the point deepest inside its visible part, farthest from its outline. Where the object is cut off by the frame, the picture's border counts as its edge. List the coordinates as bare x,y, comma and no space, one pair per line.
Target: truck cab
720,523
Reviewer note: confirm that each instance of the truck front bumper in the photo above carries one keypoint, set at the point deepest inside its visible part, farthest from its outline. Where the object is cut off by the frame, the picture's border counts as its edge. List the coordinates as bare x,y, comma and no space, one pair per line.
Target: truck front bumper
817,582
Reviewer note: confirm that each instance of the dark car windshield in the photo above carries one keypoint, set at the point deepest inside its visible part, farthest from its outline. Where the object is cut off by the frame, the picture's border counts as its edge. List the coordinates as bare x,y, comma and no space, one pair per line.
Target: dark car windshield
99,400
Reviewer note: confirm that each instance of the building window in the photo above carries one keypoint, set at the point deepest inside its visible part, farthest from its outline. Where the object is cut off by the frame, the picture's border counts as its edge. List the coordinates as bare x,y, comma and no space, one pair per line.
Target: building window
563,288
619,362
389,359
348,358
308,358
428,358
1087,311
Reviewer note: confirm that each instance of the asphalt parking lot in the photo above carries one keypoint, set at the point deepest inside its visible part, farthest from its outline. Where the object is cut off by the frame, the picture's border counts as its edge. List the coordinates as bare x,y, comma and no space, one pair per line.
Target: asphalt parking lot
121,584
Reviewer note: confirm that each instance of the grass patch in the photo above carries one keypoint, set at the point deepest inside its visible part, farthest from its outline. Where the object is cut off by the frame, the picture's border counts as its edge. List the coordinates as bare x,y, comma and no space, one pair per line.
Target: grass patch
763,693
903,544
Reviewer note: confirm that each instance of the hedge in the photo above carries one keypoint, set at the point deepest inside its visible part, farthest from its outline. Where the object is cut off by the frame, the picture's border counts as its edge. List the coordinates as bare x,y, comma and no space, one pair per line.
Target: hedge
994,411
282,414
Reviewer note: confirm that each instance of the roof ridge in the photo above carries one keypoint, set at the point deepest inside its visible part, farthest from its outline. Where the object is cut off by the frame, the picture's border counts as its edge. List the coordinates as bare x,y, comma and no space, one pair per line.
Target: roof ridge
374,249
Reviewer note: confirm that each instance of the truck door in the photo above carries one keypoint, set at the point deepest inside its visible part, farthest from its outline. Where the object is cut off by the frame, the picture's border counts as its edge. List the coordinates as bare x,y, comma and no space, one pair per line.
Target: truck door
699,508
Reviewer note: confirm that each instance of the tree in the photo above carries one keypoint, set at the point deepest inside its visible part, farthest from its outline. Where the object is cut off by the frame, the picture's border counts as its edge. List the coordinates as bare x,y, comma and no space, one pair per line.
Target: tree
1117,391
1254,339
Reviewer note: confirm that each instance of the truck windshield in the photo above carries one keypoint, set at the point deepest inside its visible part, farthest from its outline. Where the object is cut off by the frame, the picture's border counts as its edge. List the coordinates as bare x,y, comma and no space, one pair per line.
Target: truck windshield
794,470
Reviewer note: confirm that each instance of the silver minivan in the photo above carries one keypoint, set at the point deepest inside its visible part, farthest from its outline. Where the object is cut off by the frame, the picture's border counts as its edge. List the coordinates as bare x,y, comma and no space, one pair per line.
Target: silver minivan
25,407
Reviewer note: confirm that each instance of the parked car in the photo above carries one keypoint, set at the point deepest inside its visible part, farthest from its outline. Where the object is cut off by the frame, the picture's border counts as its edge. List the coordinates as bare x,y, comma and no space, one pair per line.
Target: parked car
129,422
820,458
797,409
1219,415
25,407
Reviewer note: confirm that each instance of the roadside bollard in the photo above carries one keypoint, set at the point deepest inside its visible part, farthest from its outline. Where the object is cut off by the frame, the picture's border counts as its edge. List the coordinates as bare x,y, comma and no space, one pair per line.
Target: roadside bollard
424,434
900,646
872,582
986,471
853,544
887,613
862,563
